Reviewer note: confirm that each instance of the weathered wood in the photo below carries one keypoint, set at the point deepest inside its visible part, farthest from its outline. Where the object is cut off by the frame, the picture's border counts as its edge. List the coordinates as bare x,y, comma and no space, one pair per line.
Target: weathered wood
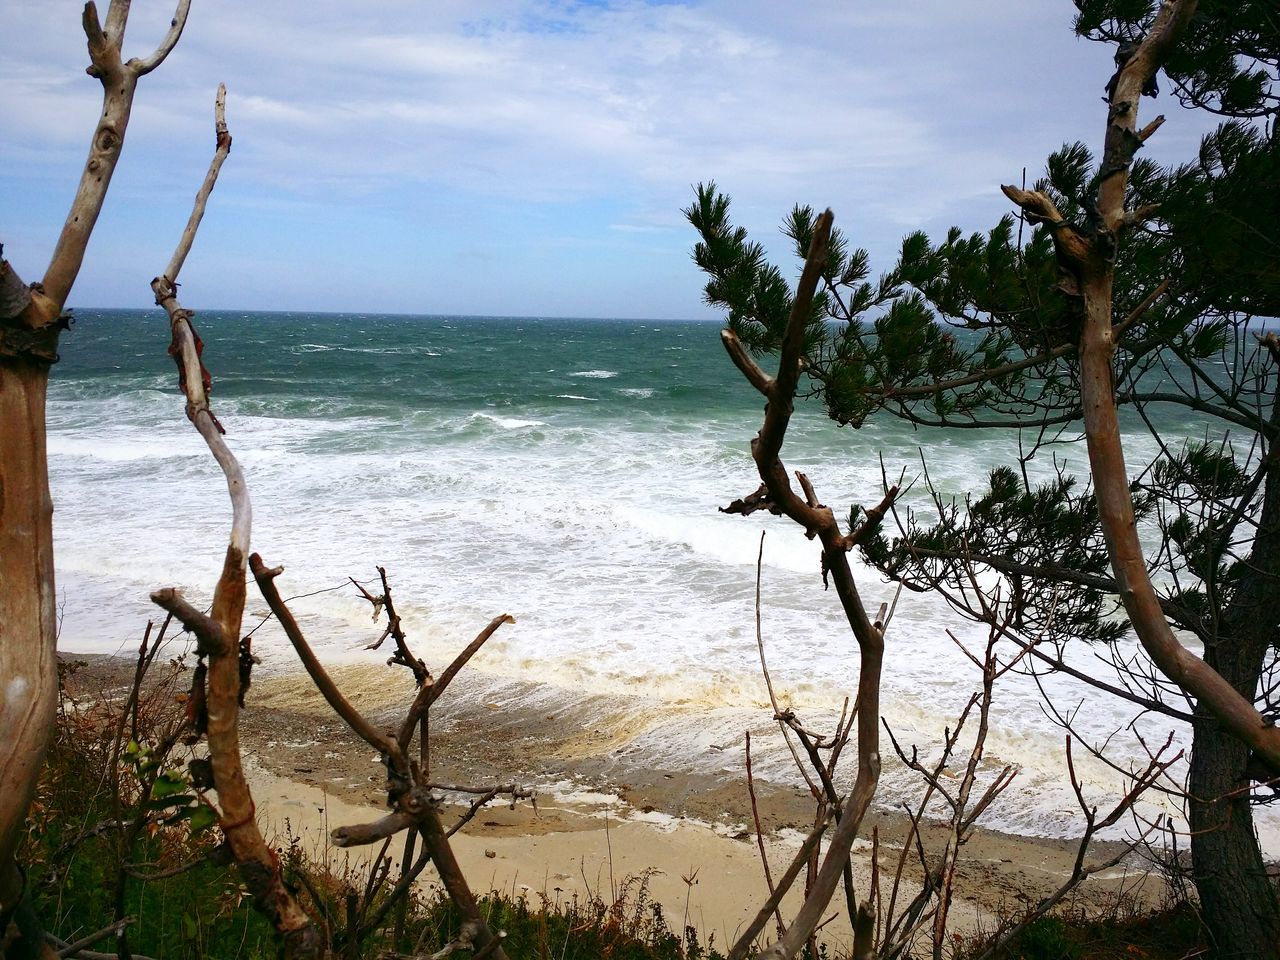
119,82
28,657
255,860
28,616
380,741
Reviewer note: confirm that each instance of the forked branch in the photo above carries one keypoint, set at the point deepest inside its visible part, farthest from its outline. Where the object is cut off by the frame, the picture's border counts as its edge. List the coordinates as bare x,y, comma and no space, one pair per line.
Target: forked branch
119,82
817,520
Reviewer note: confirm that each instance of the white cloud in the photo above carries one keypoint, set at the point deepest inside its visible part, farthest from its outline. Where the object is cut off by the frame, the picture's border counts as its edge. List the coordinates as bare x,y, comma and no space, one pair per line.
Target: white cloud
896,114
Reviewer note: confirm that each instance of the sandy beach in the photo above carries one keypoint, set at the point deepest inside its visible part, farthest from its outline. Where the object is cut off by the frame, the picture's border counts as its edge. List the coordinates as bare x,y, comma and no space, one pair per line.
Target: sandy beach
601,820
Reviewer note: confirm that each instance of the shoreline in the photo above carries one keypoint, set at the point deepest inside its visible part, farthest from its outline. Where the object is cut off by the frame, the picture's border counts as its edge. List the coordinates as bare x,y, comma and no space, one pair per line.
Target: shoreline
603,813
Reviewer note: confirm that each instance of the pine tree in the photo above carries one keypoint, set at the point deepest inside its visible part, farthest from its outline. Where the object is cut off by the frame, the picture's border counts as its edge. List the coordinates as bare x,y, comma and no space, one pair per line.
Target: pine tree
1011,329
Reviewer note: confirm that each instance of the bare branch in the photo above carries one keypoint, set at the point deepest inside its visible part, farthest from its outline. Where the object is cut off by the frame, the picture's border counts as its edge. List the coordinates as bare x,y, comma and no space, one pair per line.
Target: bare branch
429,693
141,67
363,834
764,857
748,936
742,360
208,632
73,949
119,83
223,138
265,577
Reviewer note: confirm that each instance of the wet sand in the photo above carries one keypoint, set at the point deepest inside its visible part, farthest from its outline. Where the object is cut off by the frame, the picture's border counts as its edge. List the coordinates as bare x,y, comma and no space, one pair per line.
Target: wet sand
603,817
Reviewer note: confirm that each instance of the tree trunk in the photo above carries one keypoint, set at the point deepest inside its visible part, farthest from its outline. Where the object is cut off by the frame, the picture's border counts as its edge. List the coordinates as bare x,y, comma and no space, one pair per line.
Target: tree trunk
1237,900
28,658
1240,905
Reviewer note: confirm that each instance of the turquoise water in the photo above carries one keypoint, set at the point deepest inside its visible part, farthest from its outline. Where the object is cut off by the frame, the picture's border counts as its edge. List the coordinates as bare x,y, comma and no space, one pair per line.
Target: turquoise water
568,472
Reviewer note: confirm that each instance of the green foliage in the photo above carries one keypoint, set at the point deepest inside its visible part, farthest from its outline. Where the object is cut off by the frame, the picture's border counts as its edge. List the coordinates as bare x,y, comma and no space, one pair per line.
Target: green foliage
1172,933
741,281
1047,939
1226,61
633,927
1046,542
79,861
878,345
980,329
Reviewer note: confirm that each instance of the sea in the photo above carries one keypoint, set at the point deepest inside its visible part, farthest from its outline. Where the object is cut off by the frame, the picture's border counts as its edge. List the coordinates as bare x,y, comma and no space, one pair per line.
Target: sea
569,472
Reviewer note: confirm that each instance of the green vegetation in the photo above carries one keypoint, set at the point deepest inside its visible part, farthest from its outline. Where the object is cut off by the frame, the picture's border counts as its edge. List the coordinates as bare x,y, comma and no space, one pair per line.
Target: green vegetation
1122,288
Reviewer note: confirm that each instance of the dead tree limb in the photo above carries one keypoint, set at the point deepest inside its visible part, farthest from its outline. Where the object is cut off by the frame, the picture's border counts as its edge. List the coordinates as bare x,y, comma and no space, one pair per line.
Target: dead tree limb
413,806
258,864
265,577
431,692
770,907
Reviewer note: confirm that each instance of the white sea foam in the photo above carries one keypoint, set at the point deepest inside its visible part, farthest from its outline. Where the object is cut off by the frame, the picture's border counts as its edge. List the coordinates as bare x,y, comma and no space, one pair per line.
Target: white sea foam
594,524
506,423
595,374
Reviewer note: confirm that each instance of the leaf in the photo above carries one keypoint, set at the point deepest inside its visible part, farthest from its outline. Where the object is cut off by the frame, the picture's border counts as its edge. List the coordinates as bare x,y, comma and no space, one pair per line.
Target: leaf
180,799
168,784
202,818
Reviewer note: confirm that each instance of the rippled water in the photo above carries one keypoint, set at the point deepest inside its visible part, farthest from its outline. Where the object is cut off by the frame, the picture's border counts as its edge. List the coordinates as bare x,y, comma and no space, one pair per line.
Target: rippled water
565,471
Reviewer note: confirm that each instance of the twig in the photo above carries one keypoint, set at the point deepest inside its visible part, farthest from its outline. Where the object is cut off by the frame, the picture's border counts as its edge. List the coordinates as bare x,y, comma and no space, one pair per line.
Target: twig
764,857
73,948
748,936
431,692
265,577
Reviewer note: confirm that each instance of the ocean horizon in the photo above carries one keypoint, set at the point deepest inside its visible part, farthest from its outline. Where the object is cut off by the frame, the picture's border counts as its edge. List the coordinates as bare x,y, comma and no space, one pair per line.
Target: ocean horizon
567,471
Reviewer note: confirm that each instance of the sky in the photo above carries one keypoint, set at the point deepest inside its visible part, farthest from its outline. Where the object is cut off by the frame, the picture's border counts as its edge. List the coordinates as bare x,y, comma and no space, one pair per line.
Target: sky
513,158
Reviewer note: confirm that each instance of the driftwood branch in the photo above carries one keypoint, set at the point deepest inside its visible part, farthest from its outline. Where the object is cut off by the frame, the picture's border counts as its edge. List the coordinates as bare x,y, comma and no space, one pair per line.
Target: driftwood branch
208,632
119,83
15,296
363,834
431,691
258,865
221,151
144,65
265,577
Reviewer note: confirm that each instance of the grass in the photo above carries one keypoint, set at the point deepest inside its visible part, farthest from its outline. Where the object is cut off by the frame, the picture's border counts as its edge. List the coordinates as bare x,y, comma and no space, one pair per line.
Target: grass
1171,933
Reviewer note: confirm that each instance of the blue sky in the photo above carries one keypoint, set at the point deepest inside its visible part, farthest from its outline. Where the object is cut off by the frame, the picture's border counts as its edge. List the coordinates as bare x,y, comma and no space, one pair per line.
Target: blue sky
522,158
